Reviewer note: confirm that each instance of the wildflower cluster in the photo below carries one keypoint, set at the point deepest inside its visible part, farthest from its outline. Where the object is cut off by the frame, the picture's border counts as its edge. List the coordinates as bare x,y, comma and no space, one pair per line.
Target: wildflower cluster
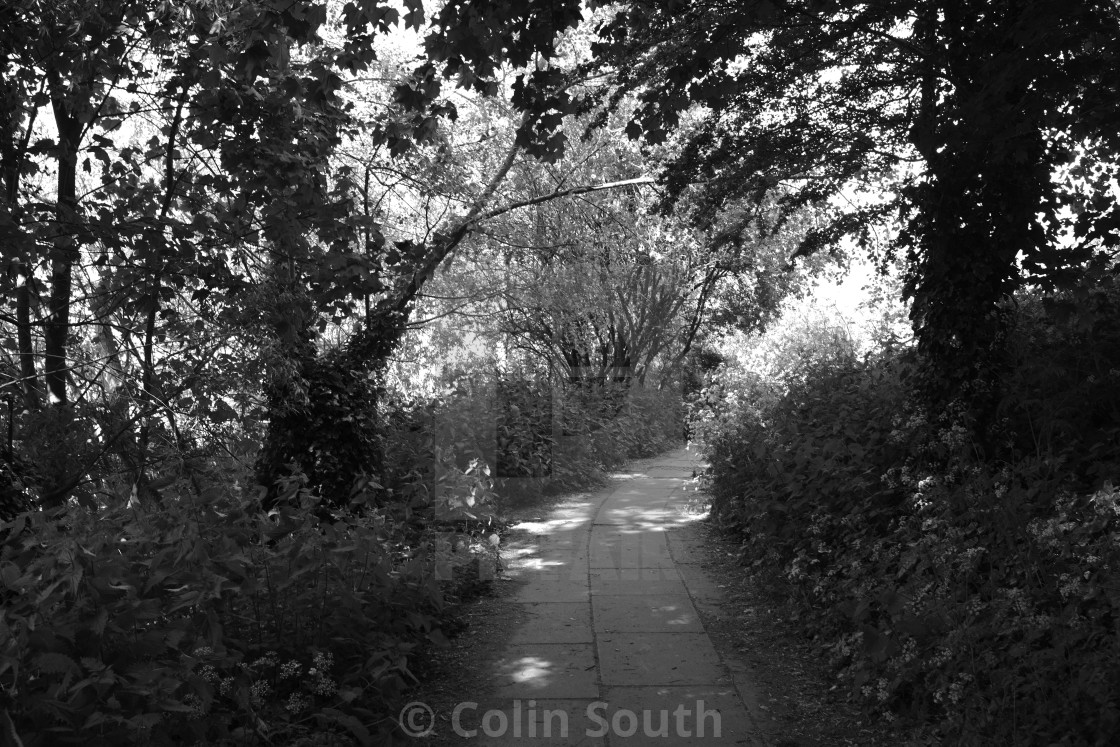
296,686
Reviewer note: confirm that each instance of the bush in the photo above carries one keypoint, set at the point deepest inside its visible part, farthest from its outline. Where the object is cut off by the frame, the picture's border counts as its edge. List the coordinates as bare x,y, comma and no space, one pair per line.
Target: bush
490,438
209,622
973,590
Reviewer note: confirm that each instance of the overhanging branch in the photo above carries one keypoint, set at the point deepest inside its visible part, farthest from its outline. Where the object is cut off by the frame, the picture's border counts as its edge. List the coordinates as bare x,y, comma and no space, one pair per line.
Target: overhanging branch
445,243
581,190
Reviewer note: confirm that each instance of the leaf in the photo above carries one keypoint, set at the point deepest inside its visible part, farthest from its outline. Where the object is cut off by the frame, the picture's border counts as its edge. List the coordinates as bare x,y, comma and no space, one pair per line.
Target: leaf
45,593
91,664
51,662
174,637
96,718
174,706
222,412
349,694
414,18
145,721
9,575
353,725
100,621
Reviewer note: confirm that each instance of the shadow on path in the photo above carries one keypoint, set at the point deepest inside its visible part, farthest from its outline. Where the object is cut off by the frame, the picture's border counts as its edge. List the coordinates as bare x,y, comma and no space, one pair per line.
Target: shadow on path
612,650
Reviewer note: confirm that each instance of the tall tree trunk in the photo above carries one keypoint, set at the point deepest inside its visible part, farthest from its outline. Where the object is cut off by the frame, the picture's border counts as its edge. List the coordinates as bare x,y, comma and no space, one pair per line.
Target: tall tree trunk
64,253
29,376
978,214
13,147
150,390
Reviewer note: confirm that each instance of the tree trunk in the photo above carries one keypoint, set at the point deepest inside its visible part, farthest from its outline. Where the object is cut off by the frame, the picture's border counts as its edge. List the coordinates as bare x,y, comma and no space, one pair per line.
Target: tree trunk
977,215
64,254
32,397
13,147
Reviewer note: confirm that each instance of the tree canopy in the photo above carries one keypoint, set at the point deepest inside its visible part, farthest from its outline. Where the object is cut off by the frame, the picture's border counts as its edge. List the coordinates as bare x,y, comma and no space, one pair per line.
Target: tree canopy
184,181
234,234
973,110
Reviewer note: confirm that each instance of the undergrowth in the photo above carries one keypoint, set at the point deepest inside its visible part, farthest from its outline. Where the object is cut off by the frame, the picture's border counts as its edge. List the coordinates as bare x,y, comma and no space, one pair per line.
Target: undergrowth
209,622
971,591
197,617
526,437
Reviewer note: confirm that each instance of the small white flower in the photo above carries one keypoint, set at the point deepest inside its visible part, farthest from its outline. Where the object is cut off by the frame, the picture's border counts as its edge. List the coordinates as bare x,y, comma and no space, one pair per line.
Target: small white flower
296,703
324,686
258,691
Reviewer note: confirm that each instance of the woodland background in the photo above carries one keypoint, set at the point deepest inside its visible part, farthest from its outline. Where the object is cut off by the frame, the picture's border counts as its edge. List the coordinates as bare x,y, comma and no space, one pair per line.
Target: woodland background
293,291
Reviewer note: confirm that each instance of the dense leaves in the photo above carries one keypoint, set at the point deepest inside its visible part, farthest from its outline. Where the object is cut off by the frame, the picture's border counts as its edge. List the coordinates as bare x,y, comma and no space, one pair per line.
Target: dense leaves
207,620
973,594
219,221
971,107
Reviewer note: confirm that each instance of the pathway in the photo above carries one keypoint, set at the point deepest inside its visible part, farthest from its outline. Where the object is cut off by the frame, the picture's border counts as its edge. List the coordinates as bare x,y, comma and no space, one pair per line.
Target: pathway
613,651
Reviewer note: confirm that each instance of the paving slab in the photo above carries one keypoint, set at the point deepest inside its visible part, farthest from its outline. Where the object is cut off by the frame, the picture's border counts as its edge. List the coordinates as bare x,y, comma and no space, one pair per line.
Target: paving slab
618,550
555,622
685,550
547,564
634,518
659,659
538,550
612,650
544,721
546,670
677,716
553,587
645,613
701,586
636,581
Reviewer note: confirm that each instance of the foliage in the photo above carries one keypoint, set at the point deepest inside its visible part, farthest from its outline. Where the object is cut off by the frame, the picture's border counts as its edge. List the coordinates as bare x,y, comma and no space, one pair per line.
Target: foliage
324,420
207,621
746,373
488,441
970,594
216,219
608,427
440,454
16,479
968,111
208,264
587,282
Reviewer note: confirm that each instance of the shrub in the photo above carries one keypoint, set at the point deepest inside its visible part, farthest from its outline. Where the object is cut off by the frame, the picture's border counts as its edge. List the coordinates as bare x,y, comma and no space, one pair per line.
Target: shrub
208,622
494,438
970,588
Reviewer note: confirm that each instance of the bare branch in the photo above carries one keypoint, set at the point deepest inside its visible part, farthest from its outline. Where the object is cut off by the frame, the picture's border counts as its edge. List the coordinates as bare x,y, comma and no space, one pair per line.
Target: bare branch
581,190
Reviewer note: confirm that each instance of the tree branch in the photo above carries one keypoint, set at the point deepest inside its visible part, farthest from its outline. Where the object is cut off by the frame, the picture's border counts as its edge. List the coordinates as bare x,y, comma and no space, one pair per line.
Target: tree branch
640,181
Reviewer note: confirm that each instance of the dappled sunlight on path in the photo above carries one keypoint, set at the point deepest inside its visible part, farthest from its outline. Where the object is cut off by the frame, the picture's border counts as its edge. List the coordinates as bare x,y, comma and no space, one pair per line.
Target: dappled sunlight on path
612,649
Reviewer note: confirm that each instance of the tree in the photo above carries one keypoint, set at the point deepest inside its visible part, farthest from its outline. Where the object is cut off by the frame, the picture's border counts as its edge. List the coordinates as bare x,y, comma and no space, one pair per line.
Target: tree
587,282
590,287
424,160
187,155
800,98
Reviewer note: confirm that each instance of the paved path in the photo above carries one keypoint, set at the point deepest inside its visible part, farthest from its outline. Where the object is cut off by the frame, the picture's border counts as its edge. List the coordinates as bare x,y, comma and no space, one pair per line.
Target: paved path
613,651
